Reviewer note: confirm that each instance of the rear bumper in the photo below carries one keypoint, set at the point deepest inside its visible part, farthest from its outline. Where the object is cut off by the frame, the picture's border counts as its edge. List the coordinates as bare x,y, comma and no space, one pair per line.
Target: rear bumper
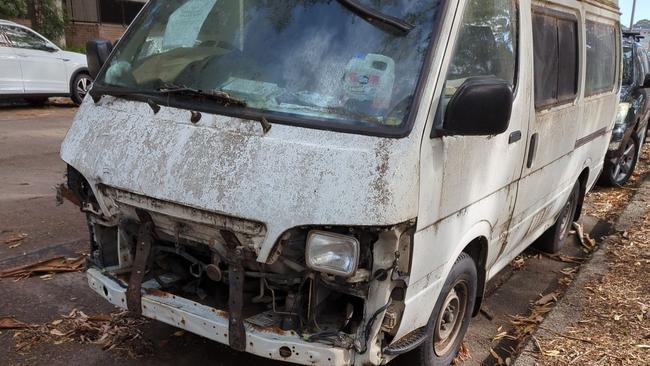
213,324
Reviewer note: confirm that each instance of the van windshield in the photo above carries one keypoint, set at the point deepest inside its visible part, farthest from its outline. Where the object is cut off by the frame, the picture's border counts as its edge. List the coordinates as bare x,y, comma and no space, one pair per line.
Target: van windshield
316,61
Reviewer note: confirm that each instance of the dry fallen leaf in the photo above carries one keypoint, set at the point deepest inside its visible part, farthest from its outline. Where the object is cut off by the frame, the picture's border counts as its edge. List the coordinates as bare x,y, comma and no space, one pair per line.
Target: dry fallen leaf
15,238
9,322
546,299
48,266
57,333
179,333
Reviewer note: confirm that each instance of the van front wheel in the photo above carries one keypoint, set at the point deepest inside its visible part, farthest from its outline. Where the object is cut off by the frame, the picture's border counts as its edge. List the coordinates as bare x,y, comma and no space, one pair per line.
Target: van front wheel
451,315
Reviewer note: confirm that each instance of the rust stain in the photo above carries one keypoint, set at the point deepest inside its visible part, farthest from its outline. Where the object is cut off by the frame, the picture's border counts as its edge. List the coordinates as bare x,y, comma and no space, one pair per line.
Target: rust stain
221,313
380,184
273,330
156,292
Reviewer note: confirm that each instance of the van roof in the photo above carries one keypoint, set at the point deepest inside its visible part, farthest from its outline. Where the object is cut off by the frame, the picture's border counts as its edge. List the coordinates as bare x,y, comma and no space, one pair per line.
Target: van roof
608,3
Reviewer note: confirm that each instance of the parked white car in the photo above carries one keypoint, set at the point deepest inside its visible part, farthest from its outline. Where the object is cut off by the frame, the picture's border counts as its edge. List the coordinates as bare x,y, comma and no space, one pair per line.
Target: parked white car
33,68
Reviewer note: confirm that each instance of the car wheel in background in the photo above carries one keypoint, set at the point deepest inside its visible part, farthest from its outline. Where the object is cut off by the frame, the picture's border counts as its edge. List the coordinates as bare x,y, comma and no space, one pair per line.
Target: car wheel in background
553,239
618,171
80,87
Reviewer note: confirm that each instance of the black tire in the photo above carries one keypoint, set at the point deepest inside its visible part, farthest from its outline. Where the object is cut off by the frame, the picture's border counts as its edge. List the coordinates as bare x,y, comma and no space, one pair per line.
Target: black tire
79,87
37,101
462,283
553,239
617,172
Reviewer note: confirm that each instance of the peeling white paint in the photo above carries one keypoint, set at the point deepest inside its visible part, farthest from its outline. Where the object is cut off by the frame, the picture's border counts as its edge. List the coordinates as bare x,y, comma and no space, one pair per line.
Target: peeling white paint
291,176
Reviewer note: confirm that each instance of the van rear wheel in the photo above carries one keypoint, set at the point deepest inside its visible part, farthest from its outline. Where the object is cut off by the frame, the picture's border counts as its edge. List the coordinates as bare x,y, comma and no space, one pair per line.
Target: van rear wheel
451,315
553,239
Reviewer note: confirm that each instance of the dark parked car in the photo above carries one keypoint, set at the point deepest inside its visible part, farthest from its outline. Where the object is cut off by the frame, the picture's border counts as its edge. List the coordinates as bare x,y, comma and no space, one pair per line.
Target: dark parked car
632,121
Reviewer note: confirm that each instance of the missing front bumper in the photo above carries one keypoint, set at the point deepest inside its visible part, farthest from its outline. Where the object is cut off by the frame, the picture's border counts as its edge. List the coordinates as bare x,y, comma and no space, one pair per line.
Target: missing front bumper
213,324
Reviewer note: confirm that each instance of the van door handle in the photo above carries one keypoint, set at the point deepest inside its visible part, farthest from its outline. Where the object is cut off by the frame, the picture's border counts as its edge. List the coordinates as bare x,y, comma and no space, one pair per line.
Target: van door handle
514,137
532,150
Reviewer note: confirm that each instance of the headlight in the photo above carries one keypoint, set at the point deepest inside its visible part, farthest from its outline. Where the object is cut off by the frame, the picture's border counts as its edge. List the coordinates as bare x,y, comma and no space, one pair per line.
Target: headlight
332,253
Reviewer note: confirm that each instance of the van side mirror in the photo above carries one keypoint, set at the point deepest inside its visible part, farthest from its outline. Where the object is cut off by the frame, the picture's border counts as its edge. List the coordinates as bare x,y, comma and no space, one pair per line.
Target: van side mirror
480,107
97,51
646,81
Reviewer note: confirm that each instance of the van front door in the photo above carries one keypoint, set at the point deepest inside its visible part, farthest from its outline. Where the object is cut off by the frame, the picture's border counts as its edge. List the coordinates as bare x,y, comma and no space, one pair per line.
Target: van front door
477,174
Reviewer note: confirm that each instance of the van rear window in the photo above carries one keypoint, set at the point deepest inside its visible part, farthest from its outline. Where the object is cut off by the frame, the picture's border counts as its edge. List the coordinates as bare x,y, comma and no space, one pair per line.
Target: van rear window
601,57
555,39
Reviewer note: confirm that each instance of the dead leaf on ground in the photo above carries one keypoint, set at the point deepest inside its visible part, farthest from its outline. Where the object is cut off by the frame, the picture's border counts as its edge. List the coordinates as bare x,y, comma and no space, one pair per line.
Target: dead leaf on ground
118,331
45,267
9,322
463,355
498,358
546,299
16,237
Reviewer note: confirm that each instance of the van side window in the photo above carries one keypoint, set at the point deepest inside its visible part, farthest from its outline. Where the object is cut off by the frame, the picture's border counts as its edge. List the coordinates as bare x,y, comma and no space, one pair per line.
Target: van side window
601,57
486,45
555,42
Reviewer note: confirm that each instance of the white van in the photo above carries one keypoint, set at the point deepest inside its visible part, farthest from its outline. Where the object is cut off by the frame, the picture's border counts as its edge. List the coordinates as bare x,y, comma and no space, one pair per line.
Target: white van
333,182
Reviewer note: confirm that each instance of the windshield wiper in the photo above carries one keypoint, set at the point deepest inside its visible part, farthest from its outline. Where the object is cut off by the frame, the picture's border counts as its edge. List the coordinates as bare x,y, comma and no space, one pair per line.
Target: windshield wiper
372,15
223,98
218,95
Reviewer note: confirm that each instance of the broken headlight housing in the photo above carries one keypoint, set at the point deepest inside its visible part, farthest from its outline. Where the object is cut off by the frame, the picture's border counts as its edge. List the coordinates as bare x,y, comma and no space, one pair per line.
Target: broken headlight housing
332,253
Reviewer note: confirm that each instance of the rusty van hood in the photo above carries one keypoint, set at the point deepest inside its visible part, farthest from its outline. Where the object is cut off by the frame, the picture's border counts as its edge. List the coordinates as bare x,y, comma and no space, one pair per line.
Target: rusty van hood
289,177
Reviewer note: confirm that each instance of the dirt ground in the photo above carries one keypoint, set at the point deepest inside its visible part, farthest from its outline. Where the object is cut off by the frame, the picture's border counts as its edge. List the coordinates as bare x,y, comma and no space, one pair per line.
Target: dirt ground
71,325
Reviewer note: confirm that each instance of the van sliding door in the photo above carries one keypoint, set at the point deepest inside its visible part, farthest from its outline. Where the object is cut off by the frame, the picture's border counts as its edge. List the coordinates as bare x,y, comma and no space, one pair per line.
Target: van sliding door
547,173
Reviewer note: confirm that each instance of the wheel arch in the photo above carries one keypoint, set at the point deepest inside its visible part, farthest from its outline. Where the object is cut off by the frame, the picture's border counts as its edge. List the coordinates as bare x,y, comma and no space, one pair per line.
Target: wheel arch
477,249
583,180
81,70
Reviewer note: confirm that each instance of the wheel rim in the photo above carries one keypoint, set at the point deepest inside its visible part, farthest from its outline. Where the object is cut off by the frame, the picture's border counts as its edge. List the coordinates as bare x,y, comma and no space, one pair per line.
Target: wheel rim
567,215
450,319
623,165
83,85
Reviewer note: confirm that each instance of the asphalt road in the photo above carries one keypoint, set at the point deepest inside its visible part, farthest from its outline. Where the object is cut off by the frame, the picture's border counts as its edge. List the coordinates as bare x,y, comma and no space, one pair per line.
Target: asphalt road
30,168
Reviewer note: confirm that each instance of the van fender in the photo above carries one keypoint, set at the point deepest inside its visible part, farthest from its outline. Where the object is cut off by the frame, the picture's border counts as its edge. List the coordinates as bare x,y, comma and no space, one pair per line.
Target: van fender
423,292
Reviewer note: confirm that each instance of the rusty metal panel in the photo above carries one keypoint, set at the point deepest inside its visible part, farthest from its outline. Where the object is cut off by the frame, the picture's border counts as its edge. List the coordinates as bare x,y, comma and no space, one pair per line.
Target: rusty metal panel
142,250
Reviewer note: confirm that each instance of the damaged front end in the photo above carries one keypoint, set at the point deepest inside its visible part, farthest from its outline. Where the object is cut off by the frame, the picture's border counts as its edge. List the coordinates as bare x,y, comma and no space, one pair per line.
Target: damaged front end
327,295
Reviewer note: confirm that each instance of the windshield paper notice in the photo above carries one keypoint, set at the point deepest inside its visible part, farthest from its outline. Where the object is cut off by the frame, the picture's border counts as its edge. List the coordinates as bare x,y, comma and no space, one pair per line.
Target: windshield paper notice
186,22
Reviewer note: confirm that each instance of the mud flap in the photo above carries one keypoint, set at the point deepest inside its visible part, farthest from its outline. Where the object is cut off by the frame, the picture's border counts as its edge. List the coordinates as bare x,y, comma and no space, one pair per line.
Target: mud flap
143,248
236,330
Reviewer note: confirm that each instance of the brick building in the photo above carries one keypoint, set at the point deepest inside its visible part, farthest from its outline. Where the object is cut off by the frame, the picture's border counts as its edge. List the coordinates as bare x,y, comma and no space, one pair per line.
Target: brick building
99,19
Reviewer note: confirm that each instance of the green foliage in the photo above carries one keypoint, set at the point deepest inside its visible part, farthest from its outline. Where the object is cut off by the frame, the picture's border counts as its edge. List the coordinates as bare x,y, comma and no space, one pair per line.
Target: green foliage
77,49
47,19
13,8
